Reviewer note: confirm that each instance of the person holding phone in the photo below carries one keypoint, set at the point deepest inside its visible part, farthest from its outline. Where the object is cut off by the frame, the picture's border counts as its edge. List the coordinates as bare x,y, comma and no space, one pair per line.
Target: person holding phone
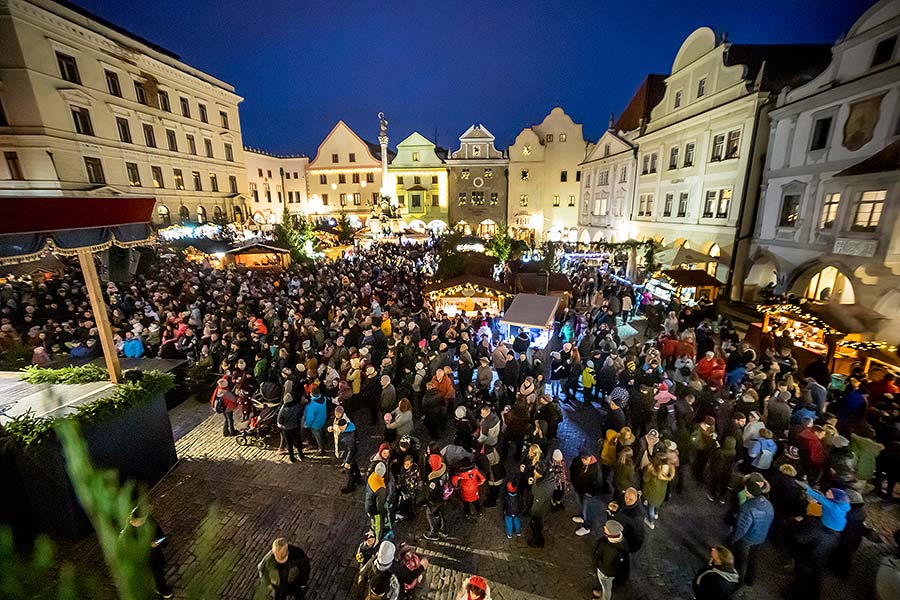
141,519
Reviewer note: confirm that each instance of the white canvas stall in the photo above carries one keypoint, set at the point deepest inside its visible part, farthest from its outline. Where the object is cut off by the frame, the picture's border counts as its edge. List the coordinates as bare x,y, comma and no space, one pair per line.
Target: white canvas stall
532,310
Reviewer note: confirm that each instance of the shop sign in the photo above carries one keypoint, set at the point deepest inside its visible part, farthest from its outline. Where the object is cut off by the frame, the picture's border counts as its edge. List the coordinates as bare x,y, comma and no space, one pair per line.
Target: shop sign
853,247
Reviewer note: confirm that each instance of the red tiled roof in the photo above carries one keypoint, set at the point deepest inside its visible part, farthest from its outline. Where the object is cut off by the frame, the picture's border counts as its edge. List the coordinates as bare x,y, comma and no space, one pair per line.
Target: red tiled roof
648,95
885,160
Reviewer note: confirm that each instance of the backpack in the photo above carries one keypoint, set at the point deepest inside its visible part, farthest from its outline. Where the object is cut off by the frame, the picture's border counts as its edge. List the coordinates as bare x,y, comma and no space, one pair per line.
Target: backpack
219,405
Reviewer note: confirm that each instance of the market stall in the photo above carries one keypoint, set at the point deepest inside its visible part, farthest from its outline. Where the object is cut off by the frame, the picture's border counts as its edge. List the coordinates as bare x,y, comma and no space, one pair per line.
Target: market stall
258,256
533,314
841,334
468,294
688,286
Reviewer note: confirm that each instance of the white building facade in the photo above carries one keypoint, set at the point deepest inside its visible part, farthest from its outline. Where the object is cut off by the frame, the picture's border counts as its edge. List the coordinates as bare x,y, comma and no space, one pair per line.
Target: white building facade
828,226
700,158
545,179
90,109
277,184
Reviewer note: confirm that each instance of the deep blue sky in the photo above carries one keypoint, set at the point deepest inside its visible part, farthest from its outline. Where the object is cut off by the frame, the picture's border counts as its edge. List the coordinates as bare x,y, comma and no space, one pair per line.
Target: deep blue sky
302,65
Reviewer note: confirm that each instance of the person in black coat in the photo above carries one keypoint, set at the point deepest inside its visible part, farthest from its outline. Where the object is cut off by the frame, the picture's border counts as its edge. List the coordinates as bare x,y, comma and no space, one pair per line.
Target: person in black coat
628,511
611,559
139,522
583,473
718,580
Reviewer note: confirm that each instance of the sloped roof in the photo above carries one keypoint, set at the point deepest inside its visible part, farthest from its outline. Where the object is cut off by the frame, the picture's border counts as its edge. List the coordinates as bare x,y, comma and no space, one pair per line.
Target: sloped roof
531,310
375,149
477,132
693,278
886,160
789,65
485,282
648,95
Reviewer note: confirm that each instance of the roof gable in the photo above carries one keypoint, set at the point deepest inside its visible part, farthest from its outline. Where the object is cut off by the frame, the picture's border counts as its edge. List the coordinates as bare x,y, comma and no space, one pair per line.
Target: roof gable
616,145
340,134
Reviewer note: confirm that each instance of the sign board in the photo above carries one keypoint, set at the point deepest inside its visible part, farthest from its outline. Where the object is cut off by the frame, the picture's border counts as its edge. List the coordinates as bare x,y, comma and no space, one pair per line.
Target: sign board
853,247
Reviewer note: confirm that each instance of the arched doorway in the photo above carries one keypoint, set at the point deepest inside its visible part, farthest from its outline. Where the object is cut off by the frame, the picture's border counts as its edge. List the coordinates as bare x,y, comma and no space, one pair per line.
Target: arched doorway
712,266
162,213
217,214
828,285
238,215
201,214
572,235
763,272
554,234
585,237
184,214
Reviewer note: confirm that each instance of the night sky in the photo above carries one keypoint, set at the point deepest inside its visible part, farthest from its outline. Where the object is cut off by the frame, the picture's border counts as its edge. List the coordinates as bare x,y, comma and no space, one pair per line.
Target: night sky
302,65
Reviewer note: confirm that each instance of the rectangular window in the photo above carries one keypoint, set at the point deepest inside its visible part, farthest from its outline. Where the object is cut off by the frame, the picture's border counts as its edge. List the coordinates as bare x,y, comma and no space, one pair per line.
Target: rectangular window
269,173
884,51
667,204
790,208
653,163
68,68
223,118
523,200
207,145
462,198
124,129
556,200
829,211
192,144
434,180
232,185
645,164
678,96
254,192
401,199
820,133
157,176
415,200
259,173
370,178
94,169
495,197
179,179
571,200
82,119
164,100
868,210
149,135
229,153
563,137
3,120
112,83
701,88
14,166
623,174
709,205
172,140
139,93
488,174
343,199
604,178
718,147
352,157
689,155
324,199
134,175
734,144
323,179
400,180
577,175
435,200
203,116
478,198
682,204
185,107
523,175
334,158
417,180
587,180
342,178
290,197
549,137
563,176
645,205
724,203
268,192
198,183
213,182
673,158
355,178
604,205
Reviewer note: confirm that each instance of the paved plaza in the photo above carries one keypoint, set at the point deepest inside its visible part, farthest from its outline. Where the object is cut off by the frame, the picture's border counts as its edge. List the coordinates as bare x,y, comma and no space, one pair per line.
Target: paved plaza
260,496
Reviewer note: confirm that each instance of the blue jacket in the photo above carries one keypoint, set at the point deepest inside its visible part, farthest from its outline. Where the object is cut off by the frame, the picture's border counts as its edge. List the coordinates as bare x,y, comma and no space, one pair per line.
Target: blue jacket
756,453
753,521
133,348
834,514
315,413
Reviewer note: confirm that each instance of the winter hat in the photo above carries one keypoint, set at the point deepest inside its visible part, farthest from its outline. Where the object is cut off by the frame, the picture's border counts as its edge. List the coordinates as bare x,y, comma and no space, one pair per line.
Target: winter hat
380,469
338,411
511,487
840,496
557,455
307,345
671,445
385,557
788,470
614,528
783,396
755,484
710,420
854,497
653,434
754,415
460,412
792,453
370,371
484,360
478,583
840,441
420,365
435,462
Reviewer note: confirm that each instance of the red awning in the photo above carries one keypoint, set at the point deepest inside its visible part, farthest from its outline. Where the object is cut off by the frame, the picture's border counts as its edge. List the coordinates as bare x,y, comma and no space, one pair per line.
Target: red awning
55,213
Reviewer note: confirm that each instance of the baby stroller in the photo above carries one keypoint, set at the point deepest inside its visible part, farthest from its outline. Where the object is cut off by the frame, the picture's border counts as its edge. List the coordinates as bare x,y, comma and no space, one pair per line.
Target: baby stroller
264,407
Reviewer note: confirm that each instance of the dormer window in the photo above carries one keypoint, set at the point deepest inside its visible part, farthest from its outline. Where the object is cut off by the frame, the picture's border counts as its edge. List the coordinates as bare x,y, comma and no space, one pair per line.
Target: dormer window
549,138
415,157
884,51
678,96
701,88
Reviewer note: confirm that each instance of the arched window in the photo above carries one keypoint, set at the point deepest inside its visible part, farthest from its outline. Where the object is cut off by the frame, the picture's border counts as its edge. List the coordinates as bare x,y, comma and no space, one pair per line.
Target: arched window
201,214
487,228
712,266
162,213
830,285
184,214
238,214
217,214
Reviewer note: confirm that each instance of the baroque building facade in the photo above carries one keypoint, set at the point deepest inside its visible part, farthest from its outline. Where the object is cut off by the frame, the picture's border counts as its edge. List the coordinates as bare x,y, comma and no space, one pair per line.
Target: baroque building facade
277,184
545,179
828,227
477,183
87,108
417,178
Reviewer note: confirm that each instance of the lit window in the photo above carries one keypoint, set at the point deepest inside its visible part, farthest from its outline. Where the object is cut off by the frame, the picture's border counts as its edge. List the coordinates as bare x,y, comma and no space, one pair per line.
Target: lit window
494,198
201,214
562,137
549,137
198,183
415,157
162,213
734,144
724,203
790,210
829,211
476,151
343,199
488,174
868,210
462,198
356,199
604,205
465,173
524,175
179,179
134,175
688,155
478,198
556,200
523,200
571,200
157,175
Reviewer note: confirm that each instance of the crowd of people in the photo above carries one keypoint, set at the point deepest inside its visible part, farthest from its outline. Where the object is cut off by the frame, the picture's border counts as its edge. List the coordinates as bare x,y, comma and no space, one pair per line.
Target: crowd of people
469,420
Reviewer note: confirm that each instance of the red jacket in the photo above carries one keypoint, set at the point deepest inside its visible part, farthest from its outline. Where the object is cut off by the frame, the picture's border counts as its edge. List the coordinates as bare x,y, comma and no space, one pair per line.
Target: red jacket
469,483
811,450
228,397
668,346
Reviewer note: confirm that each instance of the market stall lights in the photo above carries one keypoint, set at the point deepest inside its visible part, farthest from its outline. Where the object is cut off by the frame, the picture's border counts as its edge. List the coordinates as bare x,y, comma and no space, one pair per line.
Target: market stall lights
802,314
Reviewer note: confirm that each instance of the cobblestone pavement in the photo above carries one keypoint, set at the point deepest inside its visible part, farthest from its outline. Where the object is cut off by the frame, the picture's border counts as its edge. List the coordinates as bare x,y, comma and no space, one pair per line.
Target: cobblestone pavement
261,496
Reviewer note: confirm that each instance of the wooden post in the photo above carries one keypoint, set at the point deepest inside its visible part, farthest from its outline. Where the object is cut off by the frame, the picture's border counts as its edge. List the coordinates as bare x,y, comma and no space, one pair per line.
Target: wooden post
98,306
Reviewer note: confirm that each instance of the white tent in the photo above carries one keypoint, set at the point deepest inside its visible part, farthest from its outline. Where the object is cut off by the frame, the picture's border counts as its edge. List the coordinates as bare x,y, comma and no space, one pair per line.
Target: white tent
532,310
